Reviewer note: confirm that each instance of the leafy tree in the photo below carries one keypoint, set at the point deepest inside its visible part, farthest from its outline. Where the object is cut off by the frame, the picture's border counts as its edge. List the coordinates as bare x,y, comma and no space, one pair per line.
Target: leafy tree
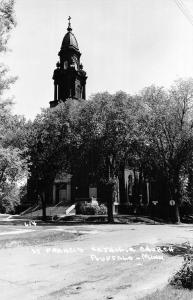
166,135
7,22
79,135
12,171
13,167
51,139
107,128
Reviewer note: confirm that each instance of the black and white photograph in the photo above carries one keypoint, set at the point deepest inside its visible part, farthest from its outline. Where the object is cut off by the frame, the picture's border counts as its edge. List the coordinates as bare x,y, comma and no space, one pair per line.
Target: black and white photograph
96,149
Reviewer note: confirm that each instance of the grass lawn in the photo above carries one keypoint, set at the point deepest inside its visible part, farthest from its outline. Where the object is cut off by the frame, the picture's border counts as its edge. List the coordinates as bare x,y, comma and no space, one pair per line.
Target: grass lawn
38,236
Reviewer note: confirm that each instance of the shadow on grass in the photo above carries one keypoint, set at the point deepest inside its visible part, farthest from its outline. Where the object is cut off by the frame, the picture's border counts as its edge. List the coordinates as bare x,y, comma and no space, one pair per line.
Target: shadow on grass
178,249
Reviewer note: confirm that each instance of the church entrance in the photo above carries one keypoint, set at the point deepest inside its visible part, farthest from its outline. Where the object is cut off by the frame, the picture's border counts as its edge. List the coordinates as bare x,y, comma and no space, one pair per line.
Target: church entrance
62,189
61,192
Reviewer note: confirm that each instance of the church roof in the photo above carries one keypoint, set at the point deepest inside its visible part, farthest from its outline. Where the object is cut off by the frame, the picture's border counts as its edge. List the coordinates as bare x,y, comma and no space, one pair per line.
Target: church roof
69,40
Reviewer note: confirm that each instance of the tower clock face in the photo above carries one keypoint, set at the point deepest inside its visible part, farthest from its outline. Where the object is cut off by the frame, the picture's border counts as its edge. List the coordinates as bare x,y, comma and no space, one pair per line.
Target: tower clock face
75,62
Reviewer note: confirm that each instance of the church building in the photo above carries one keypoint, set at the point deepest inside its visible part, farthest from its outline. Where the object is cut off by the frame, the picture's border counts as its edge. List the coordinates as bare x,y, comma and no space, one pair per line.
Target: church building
133,192
70,82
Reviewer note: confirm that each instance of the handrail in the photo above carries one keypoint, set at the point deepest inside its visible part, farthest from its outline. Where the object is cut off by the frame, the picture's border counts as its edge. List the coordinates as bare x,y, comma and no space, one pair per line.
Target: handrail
68,210
28,210
58,204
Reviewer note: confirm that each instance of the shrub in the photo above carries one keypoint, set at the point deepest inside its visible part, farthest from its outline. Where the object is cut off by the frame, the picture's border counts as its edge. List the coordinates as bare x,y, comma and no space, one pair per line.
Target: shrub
90,209
184,277
102,210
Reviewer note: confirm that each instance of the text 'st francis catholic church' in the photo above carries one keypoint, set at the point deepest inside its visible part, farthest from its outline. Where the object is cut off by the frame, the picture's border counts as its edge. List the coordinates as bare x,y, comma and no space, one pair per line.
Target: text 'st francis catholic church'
70,82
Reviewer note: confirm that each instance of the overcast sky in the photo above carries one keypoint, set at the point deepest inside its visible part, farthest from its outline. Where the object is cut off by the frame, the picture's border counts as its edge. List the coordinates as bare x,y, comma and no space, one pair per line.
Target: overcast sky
125,45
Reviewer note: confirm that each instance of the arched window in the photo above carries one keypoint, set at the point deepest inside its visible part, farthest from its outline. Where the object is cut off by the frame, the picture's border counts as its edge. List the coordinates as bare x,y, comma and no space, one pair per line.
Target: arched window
78,91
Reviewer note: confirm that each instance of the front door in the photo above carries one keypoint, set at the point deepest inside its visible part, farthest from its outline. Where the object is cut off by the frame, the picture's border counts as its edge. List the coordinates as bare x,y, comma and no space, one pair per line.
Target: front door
61,192
62,195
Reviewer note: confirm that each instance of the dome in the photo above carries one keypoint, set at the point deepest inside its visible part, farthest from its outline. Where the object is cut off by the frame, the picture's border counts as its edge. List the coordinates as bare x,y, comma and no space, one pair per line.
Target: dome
69,41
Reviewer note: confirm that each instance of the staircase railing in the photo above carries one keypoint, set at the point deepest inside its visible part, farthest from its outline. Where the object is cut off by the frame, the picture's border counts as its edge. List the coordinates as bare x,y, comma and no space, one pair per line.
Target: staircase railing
29,210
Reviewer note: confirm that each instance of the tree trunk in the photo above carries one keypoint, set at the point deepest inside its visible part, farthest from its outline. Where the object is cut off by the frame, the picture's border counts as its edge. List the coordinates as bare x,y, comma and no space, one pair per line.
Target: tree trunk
176,197
110,205
44,217
110,211
177,214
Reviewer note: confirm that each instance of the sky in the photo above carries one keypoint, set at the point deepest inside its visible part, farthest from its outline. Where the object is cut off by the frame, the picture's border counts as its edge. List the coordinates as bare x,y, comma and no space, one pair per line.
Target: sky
125,44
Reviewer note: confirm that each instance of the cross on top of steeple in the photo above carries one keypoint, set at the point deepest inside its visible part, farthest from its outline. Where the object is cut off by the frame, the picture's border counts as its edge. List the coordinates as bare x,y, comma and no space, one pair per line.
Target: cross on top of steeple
69,24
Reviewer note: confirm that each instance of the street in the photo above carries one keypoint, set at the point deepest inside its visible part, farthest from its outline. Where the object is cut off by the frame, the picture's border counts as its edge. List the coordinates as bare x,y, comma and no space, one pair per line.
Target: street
88,262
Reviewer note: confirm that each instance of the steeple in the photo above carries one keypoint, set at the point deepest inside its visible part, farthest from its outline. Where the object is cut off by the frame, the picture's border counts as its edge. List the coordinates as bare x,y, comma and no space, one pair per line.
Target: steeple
69,76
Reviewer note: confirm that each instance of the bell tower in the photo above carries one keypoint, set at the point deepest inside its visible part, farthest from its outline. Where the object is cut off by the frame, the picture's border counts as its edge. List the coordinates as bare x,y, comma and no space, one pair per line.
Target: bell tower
69,76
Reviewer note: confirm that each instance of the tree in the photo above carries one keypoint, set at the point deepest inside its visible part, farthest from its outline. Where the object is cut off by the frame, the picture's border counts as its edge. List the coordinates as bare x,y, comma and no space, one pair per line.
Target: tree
50,140
7,22
13,167
107,129
13,157
85,135
166,132
12,171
